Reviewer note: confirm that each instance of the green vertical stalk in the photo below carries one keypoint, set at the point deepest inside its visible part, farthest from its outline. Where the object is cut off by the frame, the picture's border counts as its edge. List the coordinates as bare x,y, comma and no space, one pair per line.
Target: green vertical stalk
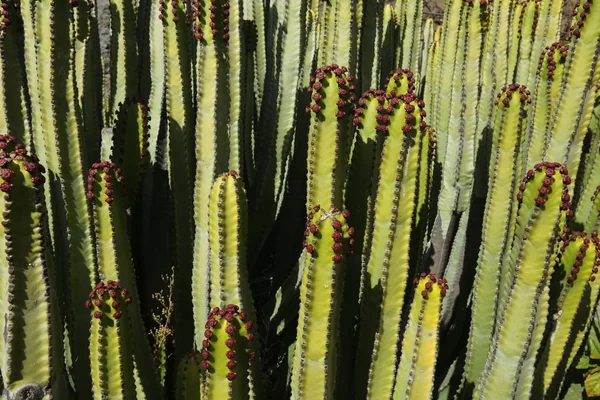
314,366
543,203
412,16
31,360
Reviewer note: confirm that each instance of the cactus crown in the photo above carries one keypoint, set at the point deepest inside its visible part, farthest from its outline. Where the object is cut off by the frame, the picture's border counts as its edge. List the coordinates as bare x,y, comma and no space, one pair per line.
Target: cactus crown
580,13
218,19
513,90
550,170
586,243
400,81
234,344
103,175
341,231
426,282
552,55
108,299
326,76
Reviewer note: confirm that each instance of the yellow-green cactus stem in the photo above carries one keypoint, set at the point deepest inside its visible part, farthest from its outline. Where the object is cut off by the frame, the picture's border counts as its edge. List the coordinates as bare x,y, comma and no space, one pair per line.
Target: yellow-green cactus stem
328,239
544,202
228,354
113,361
576,102
593,220
14,116
180,132
523,36
416,372
411,15
331,109
393,239
578,260
123,55
212,149
114,260
400,81
31,344
227,271
550,71
511,119
130,144
189,377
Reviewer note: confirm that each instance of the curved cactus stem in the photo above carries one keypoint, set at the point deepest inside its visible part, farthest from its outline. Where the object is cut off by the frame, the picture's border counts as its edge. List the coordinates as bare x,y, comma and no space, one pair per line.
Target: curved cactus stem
228,355
314,365
331,108
14,113
543,202
415,374
392,240
114,260
31,344
508,135
578,260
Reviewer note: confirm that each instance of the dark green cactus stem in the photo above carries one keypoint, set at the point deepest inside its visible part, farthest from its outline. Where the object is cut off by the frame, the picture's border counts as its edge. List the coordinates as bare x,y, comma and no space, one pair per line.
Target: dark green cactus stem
544,201
511,119
31,343
550,71
578,260
123,55
130,145
114,260
314,366
189,377
14,116
112,359
212,147
180,128
330,128
415,376
394,233
228,353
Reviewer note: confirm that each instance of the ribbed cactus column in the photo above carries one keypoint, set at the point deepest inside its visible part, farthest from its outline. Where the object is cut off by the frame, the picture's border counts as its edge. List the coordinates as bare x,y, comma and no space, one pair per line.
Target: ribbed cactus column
31,355
227,355
420,344
578,260
390,259
212,147
523,37
114,262
543,202
111,343
14,117
189,377
511,120
328,240
330,128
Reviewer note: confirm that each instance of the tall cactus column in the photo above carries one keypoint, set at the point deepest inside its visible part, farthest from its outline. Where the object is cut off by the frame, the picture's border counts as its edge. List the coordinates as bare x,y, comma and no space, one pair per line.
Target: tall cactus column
328,239
31,360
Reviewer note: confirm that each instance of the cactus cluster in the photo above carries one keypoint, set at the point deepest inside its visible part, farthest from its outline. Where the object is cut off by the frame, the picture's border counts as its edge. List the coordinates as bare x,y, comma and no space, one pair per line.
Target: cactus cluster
299,199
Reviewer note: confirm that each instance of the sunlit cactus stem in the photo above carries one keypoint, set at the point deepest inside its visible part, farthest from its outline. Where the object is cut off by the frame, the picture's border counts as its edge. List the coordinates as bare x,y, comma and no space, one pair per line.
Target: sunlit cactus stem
31,357
227,355
544,202
114,262
332,94
578,260
416,372
327,242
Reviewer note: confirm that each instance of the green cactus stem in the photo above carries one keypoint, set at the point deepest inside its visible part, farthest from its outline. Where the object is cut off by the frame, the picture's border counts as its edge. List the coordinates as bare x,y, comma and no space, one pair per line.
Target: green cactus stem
544,201
189,377
550,71
328,239
330,128
114,260
227,355
212,147
112,359
31,343
393,237
130,144
523,37
14,115
411,15
511,119
400,81
578,260
415,374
